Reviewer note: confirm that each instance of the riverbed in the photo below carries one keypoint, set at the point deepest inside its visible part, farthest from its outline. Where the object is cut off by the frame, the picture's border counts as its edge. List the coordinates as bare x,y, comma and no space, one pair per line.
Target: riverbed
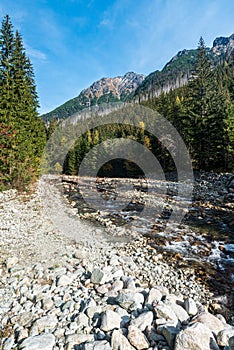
203,239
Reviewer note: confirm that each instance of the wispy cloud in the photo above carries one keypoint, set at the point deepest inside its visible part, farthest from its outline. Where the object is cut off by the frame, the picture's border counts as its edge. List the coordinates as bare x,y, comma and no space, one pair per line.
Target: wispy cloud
35,53
106,22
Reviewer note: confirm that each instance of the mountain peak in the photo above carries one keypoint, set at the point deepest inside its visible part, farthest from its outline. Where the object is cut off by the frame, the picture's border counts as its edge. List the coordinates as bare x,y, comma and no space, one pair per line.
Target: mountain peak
119,88
223,45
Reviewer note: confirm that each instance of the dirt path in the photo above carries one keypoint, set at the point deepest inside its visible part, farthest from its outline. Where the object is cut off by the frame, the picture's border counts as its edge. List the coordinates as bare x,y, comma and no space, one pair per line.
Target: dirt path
43,228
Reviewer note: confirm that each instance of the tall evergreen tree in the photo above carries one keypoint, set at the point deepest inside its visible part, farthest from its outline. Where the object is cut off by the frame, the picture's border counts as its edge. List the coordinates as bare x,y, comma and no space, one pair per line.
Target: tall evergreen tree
198,103
18,111
6,97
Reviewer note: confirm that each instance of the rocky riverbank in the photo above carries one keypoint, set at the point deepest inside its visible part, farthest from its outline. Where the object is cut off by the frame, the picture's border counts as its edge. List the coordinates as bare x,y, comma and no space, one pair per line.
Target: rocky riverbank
68,285
204,239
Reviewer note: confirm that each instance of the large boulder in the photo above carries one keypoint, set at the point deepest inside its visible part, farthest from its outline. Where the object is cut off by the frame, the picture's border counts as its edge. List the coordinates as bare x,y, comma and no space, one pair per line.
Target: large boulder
196,337
39,342
110,320
143,320
130,300
120,342
212,322
137,338
224,336
165,312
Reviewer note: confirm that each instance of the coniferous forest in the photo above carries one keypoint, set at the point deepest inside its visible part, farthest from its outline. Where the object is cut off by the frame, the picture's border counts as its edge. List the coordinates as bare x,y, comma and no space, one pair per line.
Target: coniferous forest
202,111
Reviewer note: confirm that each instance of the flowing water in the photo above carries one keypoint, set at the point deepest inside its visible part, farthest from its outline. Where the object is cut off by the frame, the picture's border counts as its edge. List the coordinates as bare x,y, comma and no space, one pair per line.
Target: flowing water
204,239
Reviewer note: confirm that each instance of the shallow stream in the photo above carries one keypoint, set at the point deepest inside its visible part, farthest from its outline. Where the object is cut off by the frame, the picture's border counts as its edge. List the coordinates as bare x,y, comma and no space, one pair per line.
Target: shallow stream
204,239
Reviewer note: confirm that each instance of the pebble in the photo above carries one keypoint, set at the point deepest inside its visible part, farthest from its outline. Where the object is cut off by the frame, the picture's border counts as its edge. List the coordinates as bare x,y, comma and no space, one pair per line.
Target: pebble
190,306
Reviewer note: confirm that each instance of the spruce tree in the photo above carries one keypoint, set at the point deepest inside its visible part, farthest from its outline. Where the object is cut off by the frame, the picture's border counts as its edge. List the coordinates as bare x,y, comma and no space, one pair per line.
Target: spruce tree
8,132
18,111
197,104
207,110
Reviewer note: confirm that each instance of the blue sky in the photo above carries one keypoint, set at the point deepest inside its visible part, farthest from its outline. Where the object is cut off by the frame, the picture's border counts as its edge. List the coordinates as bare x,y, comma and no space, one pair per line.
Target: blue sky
73,43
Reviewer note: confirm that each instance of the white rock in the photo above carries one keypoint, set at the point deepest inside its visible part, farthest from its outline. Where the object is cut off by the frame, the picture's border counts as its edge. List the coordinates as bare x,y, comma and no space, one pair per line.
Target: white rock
46,322
12,261
179,311
47,303
76,339
137,338
97,345
59,333
82,320
117,285
110,320
129,283
8,343
154,295
120,342
196,337
23,334
64,280
90,311
39,342
224,336
143,320
212,322
222,319
165,312
117,274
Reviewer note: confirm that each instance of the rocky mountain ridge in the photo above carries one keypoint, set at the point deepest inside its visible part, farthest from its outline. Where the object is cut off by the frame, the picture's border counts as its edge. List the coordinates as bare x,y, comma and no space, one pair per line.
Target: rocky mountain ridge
137,87
178,70
223,45
120,88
